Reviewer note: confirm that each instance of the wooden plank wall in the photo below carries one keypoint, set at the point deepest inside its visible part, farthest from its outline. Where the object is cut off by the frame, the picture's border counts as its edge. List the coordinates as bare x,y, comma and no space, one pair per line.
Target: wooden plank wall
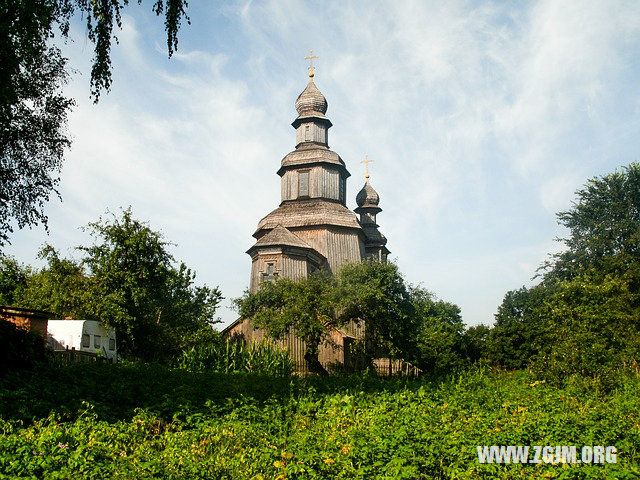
332,354
323,182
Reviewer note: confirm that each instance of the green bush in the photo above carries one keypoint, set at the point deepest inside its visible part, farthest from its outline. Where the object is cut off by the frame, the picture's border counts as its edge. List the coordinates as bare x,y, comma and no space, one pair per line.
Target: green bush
225,426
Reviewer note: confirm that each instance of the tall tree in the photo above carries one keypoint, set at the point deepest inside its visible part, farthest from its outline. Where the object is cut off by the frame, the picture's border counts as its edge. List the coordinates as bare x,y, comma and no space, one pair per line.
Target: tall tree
439,336
375,293
399,321
604,227
33,109
13,280
62,287
153,304
305,307
583,316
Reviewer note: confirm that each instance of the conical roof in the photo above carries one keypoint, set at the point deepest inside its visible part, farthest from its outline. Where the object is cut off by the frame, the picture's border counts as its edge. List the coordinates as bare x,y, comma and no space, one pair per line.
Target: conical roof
311,101
281,236
367,197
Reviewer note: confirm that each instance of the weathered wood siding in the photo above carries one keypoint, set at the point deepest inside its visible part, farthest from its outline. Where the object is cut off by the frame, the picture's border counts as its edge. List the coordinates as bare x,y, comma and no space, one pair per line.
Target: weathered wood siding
294,268
323,183
331,354
343,246
311,132
338,245
259,266
285,265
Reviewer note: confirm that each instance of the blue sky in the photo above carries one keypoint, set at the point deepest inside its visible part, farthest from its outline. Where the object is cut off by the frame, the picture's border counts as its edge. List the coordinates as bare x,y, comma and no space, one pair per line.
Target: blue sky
482,120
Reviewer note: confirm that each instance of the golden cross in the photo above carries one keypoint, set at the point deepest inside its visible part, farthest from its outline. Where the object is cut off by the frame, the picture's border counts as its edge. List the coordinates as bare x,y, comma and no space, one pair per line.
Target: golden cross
366,162
310,58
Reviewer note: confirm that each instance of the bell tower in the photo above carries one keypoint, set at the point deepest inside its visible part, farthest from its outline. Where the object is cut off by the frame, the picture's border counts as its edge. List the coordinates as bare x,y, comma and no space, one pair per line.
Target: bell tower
312,228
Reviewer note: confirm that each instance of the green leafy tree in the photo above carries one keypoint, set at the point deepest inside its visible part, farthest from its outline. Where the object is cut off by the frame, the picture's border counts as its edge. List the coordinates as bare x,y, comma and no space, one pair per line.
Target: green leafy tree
154,305
375,293
583,316
594,327
62,287
305,308
475,340
399,321
604,225
440,332
522,327
13,280
33,109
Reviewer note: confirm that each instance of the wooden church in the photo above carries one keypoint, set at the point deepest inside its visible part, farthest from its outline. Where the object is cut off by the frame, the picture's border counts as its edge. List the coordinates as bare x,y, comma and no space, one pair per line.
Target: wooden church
313,228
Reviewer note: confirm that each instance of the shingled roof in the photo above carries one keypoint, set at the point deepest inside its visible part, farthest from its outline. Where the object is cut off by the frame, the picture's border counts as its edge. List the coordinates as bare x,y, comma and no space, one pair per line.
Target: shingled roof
311,101
281,236
304,213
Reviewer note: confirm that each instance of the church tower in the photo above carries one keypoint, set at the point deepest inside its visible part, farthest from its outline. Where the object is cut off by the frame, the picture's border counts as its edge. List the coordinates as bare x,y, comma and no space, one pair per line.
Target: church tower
313,228
375,243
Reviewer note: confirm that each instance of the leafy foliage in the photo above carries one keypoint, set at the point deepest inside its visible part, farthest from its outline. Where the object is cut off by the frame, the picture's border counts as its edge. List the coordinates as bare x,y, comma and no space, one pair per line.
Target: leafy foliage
593,330
583,316
375,293
223,356
440,346
62,287
128,280
306,307
147,421
400,321
522,327
33,109
33,112
13,280
604,226
138,291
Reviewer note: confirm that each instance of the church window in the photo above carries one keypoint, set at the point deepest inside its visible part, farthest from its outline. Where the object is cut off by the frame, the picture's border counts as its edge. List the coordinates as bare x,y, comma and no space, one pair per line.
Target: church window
303,184
341,188
307,133
270,274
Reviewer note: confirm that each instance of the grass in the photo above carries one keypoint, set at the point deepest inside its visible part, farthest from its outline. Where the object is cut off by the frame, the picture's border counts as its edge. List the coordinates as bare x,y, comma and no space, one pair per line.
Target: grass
136,421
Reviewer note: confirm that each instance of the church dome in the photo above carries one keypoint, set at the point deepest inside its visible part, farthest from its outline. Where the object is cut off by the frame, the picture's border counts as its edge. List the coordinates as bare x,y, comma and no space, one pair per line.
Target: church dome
311,100
367,197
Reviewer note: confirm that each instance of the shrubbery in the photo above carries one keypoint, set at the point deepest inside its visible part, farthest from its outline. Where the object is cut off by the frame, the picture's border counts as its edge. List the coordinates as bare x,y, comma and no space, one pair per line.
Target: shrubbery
143,421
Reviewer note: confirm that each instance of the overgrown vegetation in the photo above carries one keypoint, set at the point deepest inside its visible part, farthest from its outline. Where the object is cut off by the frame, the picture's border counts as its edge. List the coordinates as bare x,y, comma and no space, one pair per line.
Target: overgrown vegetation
225,356
139,421
560,367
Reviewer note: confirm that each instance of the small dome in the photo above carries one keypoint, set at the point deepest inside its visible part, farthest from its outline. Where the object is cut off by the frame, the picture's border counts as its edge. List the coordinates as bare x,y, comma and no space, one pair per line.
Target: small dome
311,100
367,197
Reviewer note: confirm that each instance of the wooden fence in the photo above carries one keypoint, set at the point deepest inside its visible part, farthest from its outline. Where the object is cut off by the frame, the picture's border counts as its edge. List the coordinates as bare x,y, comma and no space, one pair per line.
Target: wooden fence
69,356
